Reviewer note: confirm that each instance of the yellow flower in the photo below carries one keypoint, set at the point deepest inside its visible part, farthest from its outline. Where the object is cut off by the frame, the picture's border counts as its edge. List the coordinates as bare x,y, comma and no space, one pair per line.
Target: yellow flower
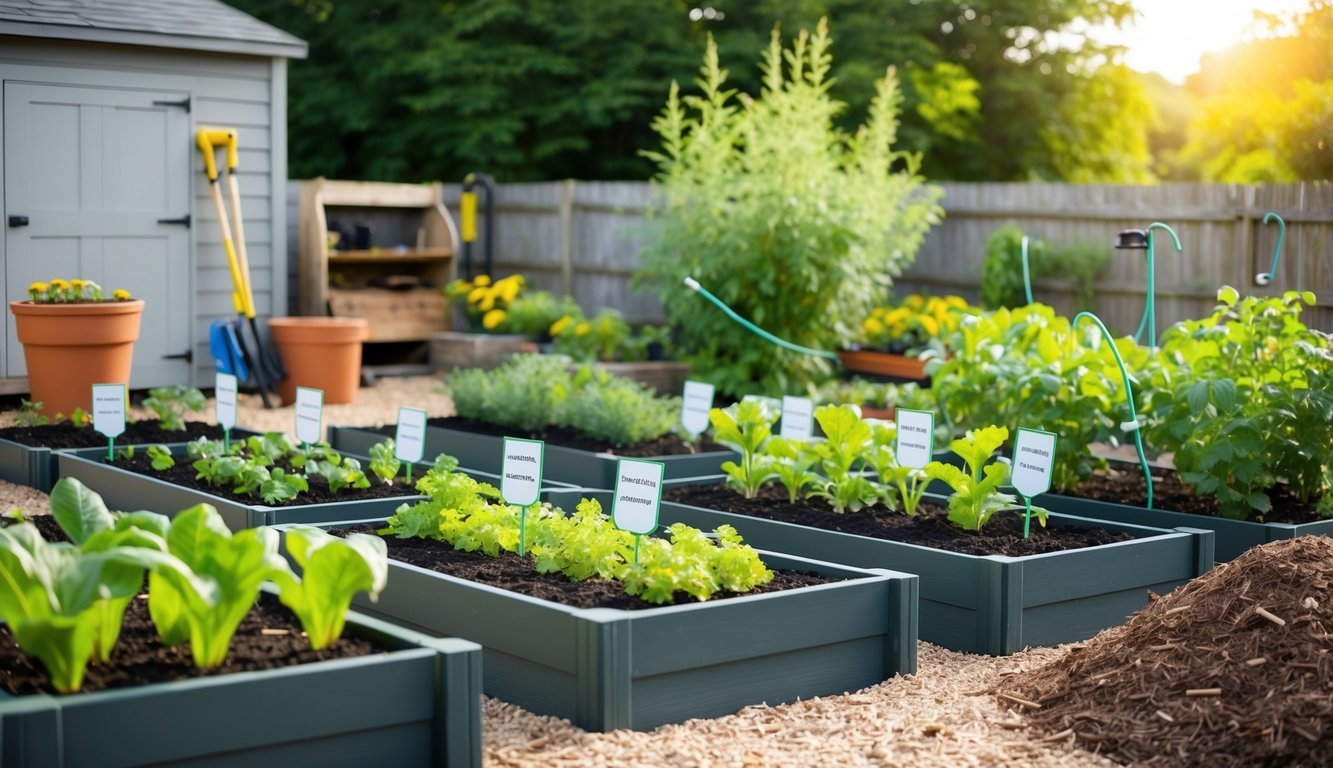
77,284
482,281
509,287
120,294
491,320
487,302
37,288
956,302
872,326
59,285
929,325
582,329
476,295
559,326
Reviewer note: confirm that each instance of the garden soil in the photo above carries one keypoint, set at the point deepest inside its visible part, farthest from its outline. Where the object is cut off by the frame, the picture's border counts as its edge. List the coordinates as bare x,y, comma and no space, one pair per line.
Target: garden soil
943,716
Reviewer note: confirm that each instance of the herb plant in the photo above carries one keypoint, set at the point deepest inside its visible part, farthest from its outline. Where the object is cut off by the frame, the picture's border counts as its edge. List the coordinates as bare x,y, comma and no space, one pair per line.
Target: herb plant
847,439
622,411
333,570
170,404
383,462
744,427
976,493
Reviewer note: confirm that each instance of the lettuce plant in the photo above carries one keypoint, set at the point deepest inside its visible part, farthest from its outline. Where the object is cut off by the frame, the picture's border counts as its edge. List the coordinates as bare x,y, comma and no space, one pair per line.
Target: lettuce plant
170,404
333,570
847,439
744,427
904,487
792,463
383,462
976,493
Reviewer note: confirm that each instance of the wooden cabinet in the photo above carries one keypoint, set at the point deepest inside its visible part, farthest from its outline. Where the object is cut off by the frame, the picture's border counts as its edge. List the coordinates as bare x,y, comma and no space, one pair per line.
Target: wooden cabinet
407,243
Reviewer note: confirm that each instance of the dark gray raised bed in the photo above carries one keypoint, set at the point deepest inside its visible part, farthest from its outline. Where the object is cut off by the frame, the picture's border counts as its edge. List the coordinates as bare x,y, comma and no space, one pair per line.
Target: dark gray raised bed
419,704
996,604
606,668
35,465
574,466
1233,537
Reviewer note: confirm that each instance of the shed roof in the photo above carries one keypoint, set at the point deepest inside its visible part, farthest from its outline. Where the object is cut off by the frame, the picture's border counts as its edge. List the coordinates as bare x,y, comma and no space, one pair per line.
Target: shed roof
203,25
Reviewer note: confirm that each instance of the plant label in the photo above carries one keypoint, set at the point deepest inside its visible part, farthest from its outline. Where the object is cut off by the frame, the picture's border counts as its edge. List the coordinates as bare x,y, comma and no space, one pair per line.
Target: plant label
1034,457
521,475
915,442
409,441
225,387
309,415
797,418
638,495
697,402
109,409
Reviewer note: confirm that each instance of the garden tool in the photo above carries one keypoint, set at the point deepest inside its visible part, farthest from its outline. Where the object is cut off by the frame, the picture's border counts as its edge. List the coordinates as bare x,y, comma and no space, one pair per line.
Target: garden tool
235,353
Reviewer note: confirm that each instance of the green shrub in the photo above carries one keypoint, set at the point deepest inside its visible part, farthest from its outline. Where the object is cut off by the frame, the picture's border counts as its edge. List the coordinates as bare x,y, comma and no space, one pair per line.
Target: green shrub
527,392
795,224
622,411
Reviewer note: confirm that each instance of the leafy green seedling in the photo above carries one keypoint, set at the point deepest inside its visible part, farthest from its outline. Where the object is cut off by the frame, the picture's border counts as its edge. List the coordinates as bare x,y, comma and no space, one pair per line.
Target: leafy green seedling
847,439
383,462
333,570
976,495
791,462
160,457
744,427
170,404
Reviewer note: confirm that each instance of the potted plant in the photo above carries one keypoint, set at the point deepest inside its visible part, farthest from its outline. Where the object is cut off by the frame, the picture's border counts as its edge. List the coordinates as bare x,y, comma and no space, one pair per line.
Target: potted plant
74,337
486,304
640,664
588,420
417,699
836,500
892,337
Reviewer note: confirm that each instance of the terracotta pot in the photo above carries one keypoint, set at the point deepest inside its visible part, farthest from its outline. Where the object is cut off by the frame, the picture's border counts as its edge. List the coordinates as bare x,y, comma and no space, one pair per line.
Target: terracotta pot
70,347
321,353
883,364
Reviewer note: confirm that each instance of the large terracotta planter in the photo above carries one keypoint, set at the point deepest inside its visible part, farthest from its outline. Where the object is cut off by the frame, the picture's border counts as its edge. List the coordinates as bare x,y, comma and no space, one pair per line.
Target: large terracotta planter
70,347
883,364
321,353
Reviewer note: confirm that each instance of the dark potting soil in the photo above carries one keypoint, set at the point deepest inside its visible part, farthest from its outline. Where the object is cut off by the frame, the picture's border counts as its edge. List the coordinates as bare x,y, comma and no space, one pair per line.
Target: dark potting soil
667,445
148,431
1125,485
509,571
140,657
183,474
930,527
1232,669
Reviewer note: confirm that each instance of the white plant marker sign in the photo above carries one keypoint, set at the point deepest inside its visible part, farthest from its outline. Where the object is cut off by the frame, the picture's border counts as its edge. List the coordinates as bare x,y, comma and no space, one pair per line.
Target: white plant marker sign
521,479
915,441
109,414
1034,459
309,415
638,497
225,387
797,418
409,440
696,402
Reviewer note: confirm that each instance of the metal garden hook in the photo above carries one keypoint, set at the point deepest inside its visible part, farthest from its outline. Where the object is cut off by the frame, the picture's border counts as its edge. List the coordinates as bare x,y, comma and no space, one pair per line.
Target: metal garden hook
1133,424
1149,320
1265,278
1027,276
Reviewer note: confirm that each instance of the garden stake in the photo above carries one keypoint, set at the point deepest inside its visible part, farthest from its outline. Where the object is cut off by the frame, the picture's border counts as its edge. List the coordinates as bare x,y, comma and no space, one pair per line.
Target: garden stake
522,519
111,449
693,285
1027,277
1265,278
1149,320
636,549
1133,424
1027,516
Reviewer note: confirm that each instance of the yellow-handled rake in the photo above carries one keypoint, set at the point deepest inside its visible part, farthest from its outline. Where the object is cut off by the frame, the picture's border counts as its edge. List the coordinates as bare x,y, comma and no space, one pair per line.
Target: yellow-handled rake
262,362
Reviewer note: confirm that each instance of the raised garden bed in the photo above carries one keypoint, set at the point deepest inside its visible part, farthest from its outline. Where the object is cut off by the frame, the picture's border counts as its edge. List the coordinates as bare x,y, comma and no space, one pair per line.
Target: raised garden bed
411,700
996,604
1175,505
27,453
587,465
608,668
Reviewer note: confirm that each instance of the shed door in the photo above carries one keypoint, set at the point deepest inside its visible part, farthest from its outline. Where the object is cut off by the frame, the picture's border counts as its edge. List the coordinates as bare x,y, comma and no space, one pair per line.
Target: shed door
94,170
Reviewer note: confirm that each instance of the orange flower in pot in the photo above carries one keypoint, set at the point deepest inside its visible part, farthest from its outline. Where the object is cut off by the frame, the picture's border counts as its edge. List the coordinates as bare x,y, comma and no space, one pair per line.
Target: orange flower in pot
74,337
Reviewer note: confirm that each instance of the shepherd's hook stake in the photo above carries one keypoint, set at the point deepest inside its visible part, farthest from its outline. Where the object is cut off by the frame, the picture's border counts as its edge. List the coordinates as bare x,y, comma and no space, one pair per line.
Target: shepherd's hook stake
1265,278
1133,424
1149,320
693,285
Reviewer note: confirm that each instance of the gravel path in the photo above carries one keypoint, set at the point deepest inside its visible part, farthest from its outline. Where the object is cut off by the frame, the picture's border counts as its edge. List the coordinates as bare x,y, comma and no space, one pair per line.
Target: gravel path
939,717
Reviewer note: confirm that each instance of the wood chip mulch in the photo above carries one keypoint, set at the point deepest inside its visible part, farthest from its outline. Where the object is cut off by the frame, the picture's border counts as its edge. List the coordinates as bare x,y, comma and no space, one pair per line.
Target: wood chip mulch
1233,669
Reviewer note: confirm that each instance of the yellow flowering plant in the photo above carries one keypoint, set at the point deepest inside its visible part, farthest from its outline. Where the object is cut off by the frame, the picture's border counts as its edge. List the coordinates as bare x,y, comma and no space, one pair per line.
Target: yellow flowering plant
912,323
76,291
485,301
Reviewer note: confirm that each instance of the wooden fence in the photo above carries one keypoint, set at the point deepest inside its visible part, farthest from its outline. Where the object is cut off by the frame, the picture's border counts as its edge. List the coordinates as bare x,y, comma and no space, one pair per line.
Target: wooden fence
583,238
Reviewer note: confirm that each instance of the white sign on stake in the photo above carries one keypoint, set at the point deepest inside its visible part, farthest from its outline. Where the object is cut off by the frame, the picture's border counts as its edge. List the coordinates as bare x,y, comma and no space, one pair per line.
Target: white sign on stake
915,442
1034,457
409,441
695,405
109,409
224,399
638,495
309,415
521,475
797,418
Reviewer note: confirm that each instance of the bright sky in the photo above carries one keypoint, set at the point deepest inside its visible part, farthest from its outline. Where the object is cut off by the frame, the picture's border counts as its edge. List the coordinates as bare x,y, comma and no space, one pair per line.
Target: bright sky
1171,36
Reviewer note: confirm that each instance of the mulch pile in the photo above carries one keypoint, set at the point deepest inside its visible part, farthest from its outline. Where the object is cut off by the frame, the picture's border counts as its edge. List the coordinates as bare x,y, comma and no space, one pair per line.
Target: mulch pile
1232,669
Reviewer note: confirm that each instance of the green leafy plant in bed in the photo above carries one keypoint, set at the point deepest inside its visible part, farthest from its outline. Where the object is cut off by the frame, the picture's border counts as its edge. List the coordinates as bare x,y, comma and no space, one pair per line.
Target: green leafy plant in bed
467,514
272,467
976,493
170,404
1244,398
65,601
744,427
532,393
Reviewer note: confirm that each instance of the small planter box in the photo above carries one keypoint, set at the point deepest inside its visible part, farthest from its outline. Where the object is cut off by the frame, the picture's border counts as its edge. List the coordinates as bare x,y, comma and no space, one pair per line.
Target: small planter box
417,705
123,489
1233,537
35,465
455,349
996,604
565,465
605,668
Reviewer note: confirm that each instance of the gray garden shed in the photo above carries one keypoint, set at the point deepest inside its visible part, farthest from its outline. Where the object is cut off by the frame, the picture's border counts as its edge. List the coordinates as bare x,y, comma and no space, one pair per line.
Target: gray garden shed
101,175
